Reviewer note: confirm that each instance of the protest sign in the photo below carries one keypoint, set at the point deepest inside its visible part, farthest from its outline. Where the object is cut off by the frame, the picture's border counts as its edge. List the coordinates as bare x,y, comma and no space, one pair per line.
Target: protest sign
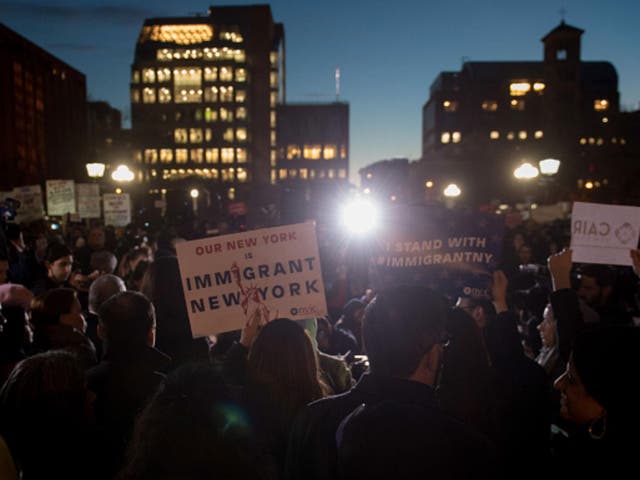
117,209
604,233
454,252
61,197
88,200
31,207
275,271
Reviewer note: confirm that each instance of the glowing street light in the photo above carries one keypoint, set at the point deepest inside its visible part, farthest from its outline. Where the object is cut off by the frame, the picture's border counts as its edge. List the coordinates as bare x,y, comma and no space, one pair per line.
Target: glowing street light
195,193
452,191
526,171
122,174
359,216
549,166
95,170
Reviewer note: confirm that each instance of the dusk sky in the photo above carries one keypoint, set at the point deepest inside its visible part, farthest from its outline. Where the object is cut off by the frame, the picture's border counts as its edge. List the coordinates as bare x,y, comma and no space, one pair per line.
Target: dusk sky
388,52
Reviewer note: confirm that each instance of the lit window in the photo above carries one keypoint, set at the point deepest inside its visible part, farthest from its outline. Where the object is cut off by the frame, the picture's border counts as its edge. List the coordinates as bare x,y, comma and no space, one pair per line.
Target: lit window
599,142
211,155
148,75
210,74
273,79
456,137
450,105
592,140
241,134
600,104
241,96
342,173
539,87
445,137
273,59
538,134
614,140
164,95
231,35
207,135
150,156
135,95
329,152
226,74
605,120
197,155
273,138
522,135
211,94
180,135
227,174
274,177
182,155
137,156
511,136
312,152
135,76
583,141
494,134
226,155
272,119
239,56
166,155
210,115
517,89
195,135
241,155
273,158
180,34
343,151
164,75
241,113
623,141
293,151
187,84
241,175
489,105
273,99
149,95
226,94
227,136
312,174
241,75
517,105
293,173
283,174
303,173
226,115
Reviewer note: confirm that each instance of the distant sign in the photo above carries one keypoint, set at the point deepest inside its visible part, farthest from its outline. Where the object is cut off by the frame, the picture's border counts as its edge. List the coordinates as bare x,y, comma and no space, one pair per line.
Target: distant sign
61,197
275,271
88,200
117,209
31,206
604,233
237,208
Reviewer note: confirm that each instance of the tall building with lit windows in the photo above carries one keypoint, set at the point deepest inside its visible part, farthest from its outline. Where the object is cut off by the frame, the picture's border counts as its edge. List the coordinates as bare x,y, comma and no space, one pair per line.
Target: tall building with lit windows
204,92
43,114
490,117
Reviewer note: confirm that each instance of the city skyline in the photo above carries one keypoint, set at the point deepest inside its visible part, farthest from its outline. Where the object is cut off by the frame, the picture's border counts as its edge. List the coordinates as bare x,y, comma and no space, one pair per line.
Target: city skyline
388,55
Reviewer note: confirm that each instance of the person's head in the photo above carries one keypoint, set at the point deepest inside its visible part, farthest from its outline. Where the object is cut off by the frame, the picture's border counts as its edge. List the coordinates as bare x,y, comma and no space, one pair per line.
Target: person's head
353,312
103,261
547,328
600,382
96,238
127,321
518,241
4,270
59,306
103,288
135,280
480,309
16,333
282,364
596,284
191,429
58,262
403,329
525,254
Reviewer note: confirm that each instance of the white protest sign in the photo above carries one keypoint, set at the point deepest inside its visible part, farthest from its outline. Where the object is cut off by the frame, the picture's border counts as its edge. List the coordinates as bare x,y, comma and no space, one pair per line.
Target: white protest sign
604,233
31,207
88,200
274,270
61,197
117,209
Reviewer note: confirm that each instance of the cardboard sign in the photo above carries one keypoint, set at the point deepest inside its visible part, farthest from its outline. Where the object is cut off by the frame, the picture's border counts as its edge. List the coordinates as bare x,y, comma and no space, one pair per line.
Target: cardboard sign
117,209
604,233
88,200
275,271
61,197
454,252
31,206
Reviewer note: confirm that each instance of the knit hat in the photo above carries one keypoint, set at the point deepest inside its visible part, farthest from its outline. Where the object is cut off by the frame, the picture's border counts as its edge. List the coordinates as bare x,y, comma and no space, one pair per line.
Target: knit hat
608,363
55,251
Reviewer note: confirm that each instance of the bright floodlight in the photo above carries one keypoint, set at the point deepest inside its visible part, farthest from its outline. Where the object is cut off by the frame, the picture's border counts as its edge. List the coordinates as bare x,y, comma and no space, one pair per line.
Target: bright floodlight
195,193
452,190
95,170
526,171
122,174
549,166
359,216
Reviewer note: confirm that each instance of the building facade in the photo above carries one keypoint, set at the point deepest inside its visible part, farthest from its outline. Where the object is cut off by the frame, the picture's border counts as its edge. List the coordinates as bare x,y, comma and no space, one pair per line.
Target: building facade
204,92
43,119
491,117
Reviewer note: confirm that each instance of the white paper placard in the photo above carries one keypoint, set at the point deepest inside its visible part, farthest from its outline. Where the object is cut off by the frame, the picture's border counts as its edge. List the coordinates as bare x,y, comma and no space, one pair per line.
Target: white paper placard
88,200
61,197
117,209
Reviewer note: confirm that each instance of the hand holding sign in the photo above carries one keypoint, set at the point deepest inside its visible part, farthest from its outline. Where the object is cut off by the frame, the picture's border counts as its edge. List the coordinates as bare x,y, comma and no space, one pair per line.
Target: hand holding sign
251,329
499,291
560,269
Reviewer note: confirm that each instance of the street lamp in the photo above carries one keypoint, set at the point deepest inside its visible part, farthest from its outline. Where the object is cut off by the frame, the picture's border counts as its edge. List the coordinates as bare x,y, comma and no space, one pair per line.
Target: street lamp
122,174
549,166
452,191
526,171
95,170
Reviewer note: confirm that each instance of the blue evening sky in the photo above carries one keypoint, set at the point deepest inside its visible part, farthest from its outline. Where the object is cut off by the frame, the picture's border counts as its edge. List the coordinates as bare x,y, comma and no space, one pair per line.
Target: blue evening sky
388,52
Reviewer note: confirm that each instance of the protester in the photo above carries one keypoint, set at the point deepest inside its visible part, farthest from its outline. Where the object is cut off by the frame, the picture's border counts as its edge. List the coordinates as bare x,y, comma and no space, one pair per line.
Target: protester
58,263
96,241
347,332
101,289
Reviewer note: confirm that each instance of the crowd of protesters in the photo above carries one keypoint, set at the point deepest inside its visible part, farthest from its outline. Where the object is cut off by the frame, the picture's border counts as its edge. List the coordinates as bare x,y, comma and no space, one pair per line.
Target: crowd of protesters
100,376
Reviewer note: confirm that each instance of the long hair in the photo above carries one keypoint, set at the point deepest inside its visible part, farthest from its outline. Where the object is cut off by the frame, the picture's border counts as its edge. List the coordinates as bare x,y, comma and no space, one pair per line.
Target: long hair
47,307
282,365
